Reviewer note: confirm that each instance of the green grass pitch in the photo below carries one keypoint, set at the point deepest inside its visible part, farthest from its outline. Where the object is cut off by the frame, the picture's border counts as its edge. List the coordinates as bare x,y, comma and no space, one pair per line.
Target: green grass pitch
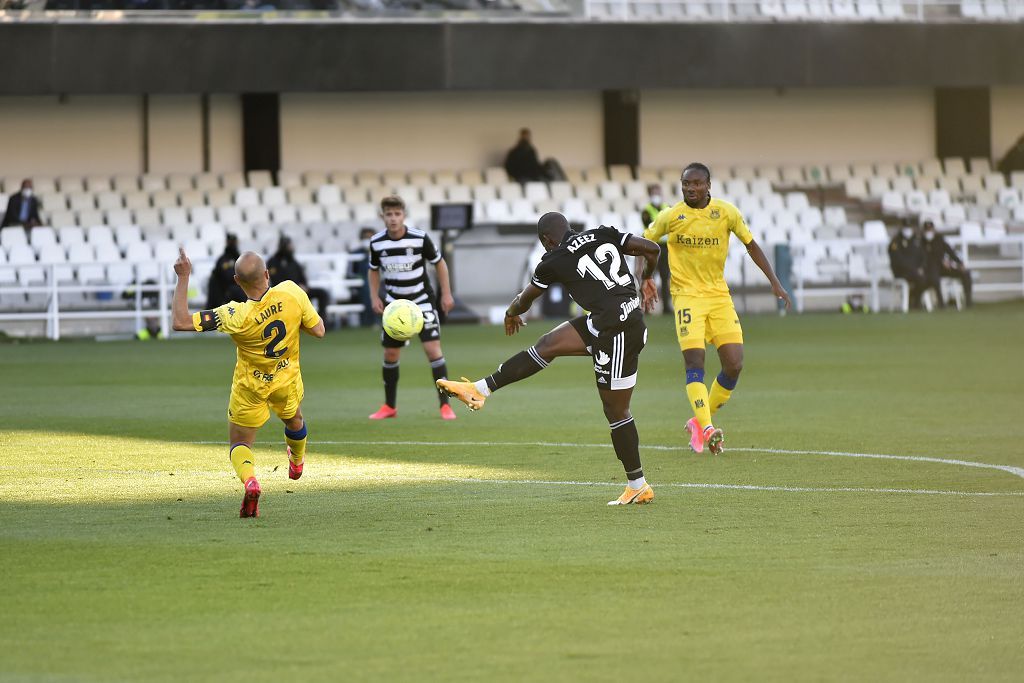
482,550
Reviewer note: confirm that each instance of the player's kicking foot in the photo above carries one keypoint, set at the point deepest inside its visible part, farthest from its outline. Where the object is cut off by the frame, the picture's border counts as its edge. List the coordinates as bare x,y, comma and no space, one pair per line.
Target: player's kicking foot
465,391
715,440
447,413
644,494
251,501
384,413
294,471
696,435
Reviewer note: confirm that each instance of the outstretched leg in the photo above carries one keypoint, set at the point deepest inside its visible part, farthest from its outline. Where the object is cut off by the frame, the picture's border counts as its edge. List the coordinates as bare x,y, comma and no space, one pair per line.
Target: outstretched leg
564,340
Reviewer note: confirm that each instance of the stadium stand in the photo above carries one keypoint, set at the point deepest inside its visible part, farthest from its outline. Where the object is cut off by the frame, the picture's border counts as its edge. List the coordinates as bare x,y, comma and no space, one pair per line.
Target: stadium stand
106,237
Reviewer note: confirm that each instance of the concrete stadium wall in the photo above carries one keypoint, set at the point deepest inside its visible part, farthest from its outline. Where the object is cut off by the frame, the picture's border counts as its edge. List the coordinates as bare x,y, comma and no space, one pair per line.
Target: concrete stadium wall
786,126
225,133
436,130
52,136
175,134
73,135
1007,119
81,135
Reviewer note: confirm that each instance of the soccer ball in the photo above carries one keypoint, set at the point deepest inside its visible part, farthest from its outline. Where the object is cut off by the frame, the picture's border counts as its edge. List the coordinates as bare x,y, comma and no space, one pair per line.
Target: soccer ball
402,319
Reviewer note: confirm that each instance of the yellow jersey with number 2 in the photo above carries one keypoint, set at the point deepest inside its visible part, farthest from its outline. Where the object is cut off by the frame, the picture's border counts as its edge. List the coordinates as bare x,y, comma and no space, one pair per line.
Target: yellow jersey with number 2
266,332
698,242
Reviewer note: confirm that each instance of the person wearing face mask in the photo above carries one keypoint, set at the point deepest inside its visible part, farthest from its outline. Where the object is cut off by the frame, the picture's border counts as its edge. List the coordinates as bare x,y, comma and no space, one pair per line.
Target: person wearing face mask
23,208
655,205
906,257
940,260
283,266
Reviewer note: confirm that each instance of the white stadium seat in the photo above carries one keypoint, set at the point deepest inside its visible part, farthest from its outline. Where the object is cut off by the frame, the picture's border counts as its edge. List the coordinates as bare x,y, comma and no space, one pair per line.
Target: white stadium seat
246,197
256,214
206,182
120,273
81,253
273,196
260,179
326,195
229,215
127,234
311,213
117,217
179,182
875,231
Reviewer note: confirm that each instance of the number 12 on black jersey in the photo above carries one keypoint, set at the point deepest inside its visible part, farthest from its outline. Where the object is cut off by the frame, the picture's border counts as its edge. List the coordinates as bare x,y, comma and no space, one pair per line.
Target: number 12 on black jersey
604,253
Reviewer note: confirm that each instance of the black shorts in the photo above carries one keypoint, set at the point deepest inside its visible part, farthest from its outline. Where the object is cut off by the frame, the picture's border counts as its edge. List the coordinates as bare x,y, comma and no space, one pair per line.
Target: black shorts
431,328
616,352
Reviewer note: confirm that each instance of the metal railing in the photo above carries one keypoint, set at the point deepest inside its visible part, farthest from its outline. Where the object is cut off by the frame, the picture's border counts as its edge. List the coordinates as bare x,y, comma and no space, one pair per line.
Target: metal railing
805,10
877,271
141,294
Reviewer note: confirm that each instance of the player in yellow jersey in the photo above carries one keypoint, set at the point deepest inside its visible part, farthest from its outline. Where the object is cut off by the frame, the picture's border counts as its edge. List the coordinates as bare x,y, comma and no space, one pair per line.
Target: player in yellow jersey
697,231
265,328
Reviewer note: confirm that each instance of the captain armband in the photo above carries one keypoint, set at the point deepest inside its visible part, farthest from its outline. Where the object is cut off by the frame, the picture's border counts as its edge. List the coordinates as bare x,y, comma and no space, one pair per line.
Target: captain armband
208,320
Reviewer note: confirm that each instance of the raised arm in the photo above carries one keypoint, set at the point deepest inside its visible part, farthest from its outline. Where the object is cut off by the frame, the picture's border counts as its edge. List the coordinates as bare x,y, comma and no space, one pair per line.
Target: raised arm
181,318
520,304
758,257
650,251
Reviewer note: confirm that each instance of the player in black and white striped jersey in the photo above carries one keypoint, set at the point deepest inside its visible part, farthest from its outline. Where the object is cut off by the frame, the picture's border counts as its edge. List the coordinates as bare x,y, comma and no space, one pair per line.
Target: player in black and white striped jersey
398,257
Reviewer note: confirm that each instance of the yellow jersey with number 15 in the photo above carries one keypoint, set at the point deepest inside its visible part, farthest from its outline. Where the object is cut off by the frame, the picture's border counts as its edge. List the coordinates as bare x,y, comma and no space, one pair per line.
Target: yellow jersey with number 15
266,332
698,242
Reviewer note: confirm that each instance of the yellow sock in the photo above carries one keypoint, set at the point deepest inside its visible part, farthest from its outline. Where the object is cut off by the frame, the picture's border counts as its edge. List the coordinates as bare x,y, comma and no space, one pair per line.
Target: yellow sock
698,395
243,460
297,442
298,447
719,396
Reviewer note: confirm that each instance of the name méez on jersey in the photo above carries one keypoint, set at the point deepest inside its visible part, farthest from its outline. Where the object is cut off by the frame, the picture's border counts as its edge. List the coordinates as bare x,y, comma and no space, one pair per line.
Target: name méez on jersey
626,306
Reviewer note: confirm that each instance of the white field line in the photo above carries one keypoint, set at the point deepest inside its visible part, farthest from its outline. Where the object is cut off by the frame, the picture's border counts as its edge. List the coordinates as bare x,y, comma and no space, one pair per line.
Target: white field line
1016,471
685,485
183,476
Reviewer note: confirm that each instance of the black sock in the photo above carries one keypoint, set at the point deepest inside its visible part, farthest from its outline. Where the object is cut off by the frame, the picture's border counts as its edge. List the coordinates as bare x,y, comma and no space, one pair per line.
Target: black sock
520,366
390,373
440,370
627,447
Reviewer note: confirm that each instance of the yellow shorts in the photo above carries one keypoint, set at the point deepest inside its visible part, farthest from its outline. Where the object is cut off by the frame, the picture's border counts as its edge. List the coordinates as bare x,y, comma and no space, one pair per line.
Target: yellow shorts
701,320
246,408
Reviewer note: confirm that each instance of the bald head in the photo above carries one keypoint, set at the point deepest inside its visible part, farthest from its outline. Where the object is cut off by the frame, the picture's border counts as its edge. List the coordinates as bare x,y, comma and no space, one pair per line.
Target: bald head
250,270
551,228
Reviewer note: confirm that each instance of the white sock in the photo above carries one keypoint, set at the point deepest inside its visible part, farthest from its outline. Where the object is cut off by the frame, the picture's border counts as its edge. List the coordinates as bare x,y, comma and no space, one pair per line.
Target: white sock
481,386
637,483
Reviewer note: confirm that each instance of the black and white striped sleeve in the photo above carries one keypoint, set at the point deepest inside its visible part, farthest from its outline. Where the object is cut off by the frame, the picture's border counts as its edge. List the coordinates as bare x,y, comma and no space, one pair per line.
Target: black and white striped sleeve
541,277
430,252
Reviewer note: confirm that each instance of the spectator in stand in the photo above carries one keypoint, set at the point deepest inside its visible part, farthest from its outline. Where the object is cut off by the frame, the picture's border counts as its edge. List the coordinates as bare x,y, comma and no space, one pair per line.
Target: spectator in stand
655,205
23,208
940,260
906,257
283,266
222,287
523,165
360,268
